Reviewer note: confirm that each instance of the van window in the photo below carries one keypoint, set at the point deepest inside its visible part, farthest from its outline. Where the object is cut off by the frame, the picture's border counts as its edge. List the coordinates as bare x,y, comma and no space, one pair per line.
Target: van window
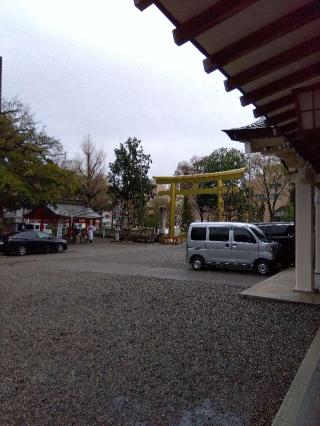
198,233
242,235
264,229
259,234
218,233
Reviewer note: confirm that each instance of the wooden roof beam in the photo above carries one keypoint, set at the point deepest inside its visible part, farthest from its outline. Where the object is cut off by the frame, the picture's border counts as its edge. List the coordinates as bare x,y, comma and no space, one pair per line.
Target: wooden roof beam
294,136
263,36
283,116
273,64
281,84
273,106
142,4
208,18
289,127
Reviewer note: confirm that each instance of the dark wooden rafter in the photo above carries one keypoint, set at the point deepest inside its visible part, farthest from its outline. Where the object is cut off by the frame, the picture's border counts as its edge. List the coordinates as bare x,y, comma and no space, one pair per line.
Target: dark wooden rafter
208,18
282,117
273,64
273,106
289,127
142,4
294,135
281,84
263,36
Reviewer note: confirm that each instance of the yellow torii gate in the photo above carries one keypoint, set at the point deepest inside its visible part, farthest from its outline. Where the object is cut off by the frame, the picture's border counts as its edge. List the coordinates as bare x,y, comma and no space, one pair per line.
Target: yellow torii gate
195,180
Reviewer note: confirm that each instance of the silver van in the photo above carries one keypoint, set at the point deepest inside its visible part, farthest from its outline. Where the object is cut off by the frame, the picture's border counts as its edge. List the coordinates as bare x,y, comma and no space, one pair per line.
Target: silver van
232,245
37,227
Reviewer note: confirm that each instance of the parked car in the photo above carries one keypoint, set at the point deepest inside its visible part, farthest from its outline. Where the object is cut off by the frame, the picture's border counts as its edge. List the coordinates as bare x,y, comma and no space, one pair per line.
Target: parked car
283,233
231,245
37,226
1,243
25,242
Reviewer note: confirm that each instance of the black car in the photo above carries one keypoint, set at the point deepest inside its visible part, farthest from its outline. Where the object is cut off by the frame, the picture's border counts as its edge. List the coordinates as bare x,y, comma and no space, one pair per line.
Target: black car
1,243
25,242
283,233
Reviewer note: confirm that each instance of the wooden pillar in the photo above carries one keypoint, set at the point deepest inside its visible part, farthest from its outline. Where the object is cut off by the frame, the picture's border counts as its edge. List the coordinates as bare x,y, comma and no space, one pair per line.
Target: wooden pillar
172,209
317,230
41,223
304,226
162,221
70,227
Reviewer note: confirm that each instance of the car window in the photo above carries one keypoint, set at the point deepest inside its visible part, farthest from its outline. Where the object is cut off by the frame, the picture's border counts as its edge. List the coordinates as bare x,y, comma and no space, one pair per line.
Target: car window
290,230
42,234
218,233
27,235
242,235
279,230
198,233
28,226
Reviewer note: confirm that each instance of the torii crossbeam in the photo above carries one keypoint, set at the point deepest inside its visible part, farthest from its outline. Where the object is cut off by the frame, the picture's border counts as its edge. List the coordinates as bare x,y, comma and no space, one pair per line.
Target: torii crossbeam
196,180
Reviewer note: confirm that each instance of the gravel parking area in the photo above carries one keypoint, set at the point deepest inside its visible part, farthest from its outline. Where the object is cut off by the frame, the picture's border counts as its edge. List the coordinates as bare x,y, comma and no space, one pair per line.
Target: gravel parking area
81,345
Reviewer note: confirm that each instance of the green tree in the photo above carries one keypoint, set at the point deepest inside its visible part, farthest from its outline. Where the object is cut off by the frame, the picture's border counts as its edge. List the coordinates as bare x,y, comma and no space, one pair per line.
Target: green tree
28,172
235,196
130,182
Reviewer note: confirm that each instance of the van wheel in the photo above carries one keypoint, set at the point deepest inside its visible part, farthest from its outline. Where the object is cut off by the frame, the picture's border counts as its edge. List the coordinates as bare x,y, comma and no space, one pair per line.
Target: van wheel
197,263
21,251
263,267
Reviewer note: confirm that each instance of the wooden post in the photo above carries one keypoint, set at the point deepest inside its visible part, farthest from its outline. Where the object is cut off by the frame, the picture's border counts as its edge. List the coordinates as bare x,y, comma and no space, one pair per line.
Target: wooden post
172,209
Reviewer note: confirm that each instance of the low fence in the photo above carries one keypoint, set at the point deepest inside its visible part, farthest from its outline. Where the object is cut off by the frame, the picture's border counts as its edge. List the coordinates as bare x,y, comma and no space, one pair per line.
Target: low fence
146,235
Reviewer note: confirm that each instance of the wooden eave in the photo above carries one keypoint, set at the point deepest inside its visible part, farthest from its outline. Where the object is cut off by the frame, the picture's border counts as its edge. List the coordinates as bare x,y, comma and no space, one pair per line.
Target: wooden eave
265,49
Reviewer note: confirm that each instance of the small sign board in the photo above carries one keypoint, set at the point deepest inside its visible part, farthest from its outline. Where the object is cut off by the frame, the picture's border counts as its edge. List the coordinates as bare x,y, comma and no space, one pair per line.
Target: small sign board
59,230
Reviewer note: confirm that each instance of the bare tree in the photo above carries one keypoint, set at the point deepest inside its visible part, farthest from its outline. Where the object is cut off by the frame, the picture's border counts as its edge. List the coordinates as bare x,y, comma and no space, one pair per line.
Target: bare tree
91,169
268,180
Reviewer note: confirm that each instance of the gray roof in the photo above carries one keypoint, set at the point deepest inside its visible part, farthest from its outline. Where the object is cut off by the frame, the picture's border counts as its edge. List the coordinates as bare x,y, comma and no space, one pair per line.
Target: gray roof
258,129
74,210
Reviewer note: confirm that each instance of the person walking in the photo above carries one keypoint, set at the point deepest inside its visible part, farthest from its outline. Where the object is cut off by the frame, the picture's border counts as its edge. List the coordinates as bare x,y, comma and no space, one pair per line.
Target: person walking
90,233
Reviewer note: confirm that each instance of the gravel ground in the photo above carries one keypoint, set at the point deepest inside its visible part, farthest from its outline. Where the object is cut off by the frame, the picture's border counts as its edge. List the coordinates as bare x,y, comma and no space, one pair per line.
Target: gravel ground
85,348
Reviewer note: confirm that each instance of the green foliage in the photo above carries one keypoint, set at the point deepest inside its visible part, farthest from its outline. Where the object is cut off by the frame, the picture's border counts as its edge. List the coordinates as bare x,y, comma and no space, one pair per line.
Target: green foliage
129,179
28,173
235,196
218,161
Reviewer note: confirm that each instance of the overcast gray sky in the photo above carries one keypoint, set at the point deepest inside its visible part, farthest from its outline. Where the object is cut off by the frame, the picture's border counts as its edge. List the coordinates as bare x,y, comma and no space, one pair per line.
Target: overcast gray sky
104,68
